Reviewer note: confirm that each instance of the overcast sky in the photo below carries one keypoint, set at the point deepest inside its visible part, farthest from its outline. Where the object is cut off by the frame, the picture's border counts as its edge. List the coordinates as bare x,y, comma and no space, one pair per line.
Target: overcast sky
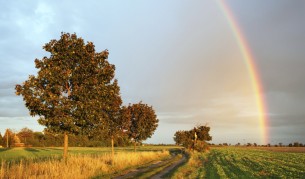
179,56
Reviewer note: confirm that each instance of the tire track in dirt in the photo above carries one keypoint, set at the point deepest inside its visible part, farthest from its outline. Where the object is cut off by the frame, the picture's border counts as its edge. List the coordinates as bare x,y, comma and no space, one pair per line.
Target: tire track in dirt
155,165
169,168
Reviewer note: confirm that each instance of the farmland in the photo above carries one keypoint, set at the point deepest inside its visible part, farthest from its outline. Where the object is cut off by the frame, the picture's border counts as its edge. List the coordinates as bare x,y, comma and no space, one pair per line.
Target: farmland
219,162
243,162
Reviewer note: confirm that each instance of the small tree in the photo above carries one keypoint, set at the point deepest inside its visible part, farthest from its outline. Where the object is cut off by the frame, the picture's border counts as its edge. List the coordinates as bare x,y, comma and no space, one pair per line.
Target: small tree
142,122
1,139
25,133
184,138
8,138
71,90
194,139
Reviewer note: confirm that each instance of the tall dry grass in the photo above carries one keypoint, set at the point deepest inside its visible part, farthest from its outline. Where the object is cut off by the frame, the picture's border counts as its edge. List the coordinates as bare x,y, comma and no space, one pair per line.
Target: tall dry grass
78,166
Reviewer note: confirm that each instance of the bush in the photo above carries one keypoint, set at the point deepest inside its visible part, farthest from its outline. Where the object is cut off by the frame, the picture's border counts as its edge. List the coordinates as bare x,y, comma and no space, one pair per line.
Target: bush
201,146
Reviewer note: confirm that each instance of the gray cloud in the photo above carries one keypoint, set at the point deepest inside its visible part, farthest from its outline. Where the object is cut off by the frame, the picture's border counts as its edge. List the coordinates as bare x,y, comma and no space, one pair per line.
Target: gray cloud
179,57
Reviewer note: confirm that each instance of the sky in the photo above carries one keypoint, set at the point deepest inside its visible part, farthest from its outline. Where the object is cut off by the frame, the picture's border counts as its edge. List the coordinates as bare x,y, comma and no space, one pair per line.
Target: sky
179,56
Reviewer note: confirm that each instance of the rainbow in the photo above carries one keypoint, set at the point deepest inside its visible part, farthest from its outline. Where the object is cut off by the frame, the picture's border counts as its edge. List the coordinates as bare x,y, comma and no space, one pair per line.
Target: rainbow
251,66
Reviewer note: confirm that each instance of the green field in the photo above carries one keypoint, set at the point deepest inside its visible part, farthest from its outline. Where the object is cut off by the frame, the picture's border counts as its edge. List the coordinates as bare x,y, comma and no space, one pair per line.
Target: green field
16,154
219,162
242,162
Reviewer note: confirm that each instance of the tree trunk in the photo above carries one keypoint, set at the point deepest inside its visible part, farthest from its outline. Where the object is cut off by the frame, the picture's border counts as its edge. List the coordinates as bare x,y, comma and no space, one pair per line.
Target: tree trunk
65,146
112,149
134,146
7,138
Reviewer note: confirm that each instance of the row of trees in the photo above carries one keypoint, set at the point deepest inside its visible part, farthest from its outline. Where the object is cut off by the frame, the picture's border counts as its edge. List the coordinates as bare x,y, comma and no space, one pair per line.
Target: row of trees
294,144
75,92
194,139
46,139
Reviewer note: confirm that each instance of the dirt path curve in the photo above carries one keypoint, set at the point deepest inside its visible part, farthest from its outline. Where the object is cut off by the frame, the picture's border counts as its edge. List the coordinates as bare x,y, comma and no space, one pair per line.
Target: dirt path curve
169,168
157,164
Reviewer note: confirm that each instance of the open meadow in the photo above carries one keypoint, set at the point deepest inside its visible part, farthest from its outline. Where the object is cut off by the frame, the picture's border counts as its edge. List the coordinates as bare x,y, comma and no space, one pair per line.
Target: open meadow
82,162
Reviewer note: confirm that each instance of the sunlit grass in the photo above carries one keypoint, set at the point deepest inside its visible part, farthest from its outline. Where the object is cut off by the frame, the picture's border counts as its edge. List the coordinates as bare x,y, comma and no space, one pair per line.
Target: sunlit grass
79,165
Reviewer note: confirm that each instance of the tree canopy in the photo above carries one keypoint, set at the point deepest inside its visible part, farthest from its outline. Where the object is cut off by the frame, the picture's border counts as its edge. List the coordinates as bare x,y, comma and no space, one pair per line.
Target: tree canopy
194,139
142,122
74,89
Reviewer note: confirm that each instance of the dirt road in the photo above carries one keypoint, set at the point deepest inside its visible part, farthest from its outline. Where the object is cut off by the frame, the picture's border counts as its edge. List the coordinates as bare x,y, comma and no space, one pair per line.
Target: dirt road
166,167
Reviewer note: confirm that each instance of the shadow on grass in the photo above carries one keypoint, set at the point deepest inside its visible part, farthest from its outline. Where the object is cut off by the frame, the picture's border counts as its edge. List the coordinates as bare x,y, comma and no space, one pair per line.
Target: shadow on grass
31,150
5,149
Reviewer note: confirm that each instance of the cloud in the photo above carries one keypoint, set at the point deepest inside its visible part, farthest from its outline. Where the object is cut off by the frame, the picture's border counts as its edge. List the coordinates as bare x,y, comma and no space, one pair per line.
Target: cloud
179,57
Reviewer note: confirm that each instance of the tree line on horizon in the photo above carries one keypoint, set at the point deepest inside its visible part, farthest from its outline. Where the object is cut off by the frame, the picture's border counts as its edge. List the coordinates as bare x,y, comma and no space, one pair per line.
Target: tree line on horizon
75,93
31,138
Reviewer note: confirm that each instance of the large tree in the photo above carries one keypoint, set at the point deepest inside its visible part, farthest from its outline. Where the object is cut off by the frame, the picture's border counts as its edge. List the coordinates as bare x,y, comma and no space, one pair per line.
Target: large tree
142,122
74,89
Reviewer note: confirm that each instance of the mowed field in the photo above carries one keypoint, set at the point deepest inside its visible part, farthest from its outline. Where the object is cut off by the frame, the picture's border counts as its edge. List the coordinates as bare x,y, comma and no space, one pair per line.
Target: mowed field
219,162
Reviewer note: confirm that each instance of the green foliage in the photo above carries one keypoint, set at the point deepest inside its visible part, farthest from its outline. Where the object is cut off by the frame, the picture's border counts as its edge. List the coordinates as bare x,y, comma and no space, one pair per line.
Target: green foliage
25,133
142,121
8,138
194,139
74,90
1,140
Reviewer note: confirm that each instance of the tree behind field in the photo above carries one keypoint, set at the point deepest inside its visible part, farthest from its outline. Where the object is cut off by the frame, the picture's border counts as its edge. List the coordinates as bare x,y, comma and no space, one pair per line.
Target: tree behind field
72,91
142,122
25,133
194,139
1,140
8,138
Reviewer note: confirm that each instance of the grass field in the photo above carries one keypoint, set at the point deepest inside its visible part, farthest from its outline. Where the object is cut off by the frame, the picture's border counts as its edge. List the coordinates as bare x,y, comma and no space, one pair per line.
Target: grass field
82,162
15,154
219,162
238,162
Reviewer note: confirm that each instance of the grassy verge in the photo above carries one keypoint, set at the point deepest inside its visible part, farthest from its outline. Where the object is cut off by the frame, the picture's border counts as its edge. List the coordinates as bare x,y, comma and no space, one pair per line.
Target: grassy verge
191,168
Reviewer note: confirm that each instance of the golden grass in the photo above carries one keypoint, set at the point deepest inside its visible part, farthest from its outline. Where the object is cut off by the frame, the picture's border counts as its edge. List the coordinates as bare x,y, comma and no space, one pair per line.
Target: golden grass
189,169
78,166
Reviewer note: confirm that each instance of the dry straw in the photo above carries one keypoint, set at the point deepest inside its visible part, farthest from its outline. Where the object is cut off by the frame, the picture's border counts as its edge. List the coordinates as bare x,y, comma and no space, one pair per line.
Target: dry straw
78,166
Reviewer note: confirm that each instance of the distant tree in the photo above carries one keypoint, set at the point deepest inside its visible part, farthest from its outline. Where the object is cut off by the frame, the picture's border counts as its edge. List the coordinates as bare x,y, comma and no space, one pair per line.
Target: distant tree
73,88
194,139
25,133
280,144
142,122
8,138
1,139
296,144
202,132
290,145
184,138
255,144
